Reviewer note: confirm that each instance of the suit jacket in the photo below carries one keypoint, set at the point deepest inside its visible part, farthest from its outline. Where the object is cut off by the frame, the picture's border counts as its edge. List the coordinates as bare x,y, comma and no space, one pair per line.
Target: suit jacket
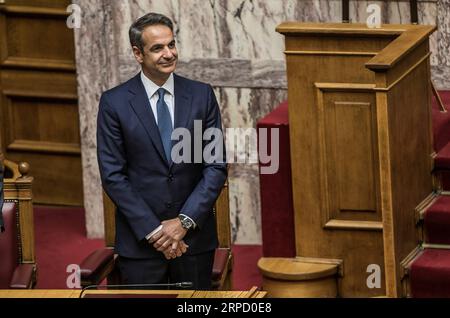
138,178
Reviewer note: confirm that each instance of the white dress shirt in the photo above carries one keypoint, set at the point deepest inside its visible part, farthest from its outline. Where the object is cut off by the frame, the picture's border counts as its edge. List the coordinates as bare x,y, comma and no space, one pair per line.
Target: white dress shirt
152,92
169,97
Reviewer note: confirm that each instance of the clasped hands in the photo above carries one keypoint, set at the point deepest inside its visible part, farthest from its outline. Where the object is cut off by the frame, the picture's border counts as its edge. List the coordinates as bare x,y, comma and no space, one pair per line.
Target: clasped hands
169,240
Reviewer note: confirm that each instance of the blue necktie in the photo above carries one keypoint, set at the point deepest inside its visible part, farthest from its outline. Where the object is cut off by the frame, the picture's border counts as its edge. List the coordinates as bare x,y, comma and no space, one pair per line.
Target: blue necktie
164,124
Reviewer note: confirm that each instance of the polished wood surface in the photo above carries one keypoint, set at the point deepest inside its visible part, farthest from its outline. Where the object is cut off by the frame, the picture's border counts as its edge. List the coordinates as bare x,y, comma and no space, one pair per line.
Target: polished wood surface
38,97
322,288
71,293
300,277
18,188
293,269
408,130
361,145
222,210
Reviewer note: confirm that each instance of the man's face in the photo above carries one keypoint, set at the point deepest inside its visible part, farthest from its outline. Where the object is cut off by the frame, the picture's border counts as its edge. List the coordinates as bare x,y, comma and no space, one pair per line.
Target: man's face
159,56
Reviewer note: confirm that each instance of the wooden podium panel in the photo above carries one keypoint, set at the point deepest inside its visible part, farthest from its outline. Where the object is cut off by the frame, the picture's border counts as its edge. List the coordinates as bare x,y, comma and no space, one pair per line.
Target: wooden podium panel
361,145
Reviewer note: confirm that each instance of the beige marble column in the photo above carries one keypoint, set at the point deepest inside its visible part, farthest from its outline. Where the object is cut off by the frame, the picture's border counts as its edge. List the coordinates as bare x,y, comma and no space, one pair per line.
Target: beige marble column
96,71
231,44
441,66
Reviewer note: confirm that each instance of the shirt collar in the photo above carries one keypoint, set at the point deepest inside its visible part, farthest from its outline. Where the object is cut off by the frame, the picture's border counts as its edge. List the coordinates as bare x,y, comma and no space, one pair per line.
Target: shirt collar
151,87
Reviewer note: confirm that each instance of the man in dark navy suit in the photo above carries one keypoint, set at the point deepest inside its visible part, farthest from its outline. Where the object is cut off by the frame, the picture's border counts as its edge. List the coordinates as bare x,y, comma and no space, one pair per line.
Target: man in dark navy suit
165,224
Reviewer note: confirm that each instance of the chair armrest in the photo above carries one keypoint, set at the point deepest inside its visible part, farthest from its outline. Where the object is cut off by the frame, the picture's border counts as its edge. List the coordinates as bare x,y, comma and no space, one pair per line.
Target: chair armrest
22,277
220,265
96,266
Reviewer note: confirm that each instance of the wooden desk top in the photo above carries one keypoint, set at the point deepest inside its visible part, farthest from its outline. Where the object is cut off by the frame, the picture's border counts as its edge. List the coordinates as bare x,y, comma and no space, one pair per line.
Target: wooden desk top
75,293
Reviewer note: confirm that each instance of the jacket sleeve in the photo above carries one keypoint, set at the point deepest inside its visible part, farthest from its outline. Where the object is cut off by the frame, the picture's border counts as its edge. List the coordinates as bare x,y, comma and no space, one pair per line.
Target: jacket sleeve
200,203
112,162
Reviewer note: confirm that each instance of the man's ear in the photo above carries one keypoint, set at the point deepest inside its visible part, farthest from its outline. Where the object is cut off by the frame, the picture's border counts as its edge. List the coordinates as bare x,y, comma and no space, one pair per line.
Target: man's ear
138,54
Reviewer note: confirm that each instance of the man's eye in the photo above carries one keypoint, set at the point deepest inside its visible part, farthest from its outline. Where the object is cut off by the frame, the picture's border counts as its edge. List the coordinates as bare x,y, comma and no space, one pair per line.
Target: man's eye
172,45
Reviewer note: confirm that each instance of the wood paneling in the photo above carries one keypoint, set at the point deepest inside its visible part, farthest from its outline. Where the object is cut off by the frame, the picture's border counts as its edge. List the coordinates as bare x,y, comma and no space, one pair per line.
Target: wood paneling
40,120
58,177
34,37
317,230
39,3
347,129
38,101
360,145
411,182
360,45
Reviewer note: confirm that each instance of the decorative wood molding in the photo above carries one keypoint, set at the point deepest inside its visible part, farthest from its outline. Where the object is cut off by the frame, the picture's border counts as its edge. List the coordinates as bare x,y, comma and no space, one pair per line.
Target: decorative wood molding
45,147
436,246
333,53
406,262
354,225
43,95
19,190
424,205
38,64
412,68
31,11
411,37
330,218
339,29
405,265
339,87
386,194
332,261
323,181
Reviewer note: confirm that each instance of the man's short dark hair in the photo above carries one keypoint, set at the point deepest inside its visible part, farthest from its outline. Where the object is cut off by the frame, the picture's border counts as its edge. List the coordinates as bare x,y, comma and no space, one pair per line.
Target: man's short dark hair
135,32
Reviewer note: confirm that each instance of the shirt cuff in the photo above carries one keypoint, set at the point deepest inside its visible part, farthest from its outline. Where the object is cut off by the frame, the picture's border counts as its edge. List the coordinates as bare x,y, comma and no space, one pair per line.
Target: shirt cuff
193,222
149,236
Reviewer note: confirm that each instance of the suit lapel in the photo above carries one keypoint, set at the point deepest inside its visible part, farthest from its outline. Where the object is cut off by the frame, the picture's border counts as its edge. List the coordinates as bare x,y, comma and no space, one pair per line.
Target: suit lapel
183,99
141,106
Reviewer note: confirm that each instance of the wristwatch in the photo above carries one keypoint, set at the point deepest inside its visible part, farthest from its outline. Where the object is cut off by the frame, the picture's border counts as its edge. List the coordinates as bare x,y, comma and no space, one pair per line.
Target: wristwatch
186,222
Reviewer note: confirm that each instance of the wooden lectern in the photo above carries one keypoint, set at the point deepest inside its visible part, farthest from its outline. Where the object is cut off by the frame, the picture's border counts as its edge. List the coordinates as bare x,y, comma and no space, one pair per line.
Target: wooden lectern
361,147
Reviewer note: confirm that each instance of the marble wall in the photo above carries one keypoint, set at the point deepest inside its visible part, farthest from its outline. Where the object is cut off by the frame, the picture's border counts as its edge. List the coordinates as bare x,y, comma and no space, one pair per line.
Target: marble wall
231,44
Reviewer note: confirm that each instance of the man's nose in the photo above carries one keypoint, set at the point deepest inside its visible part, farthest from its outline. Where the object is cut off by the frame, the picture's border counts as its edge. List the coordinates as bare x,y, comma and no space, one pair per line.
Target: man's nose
168,54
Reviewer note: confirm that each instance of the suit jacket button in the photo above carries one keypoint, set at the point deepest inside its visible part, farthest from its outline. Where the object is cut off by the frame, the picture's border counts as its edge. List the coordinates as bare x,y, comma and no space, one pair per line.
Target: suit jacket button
170,177
168,205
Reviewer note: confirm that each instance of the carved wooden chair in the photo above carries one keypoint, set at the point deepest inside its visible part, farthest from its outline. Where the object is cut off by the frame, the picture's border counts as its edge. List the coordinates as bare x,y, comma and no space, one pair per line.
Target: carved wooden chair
17,258
100,264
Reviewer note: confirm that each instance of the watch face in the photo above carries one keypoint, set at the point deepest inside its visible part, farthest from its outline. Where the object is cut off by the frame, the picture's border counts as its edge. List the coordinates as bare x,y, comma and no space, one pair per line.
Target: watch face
186,223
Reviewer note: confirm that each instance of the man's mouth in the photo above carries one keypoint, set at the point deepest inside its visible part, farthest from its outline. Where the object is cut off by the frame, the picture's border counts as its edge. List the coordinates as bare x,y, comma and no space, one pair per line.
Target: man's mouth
168,63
